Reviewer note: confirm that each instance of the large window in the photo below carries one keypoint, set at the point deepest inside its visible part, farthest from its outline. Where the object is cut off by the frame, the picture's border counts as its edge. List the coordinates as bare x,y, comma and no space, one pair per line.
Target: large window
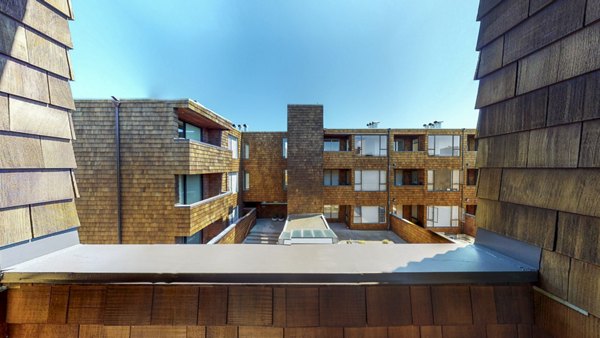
443,216
284,146
373,214
189,131
246,180
371,145
335,177
189,189
444,145
232,182
233,146
331,211
369,180
443,180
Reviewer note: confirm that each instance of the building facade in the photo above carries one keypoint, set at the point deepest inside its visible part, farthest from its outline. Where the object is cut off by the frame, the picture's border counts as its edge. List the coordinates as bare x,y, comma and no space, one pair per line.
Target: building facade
358,176
185,172
178,168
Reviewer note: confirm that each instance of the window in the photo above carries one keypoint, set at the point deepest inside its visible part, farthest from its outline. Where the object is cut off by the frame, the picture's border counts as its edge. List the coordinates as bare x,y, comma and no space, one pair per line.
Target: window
369,180
232,182
246,180
234,214
193,239
336,177
285,178
331,145
331,211
444,145
233,146
406,177
442,216
371,145
285,147
246,151
369,214
189,131
443,180
189,189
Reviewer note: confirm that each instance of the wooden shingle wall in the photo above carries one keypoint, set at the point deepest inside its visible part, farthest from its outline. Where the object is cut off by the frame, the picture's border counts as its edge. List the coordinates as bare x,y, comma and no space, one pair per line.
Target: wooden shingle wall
305,159
444,311
266,166
151,157
539,100
37,186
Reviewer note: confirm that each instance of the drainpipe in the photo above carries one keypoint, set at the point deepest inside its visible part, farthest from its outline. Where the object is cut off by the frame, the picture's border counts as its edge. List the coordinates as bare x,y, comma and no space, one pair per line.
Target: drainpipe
117,105
389,213
464,174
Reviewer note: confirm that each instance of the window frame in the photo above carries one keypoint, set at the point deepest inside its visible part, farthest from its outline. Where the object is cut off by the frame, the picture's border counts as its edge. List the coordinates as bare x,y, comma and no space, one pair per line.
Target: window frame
455,180
284,147
182,189
246,185
383,146
358,180
431,146
381,214
433,217
230,185
234,152
328,211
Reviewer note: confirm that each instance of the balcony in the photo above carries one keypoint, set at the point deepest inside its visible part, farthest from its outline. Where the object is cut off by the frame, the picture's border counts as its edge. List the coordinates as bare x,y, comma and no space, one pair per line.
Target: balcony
198,157
193,217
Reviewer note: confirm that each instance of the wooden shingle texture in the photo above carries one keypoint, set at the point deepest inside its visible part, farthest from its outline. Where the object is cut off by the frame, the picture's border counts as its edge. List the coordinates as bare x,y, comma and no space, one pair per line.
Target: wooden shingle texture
538,149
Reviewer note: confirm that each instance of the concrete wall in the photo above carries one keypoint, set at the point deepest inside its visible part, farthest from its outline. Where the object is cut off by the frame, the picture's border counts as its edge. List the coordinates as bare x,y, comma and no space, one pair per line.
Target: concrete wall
539,99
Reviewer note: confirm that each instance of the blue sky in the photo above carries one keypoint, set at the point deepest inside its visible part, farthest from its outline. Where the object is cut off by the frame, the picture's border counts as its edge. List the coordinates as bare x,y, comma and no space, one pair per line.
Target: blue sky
401,62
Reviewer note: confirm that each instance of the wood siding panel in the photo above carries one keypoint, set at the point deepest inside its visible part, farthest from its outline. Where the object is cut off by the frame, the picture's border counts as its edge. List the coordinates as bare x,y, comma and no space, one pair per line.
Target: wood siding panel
86,305
521,113
17,151
577,192
451,305
23,80
549,25
566,101
532,225
21,188
60,92
302,307
12,38
35,118
490,58
15,224
496,87
342,306
590,145
584,286
175,305
45,54
251,306
58,154
509,150
593,11
53,217
554,272
500,19
388,306
212,306
556,147
128,305
579,237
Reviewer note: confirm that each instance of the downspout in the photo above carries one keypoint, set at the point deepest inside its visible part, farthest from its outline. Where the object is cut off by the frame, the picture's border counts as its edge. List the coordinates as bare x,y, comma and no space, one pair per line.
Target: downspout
117,105
464,173
389,212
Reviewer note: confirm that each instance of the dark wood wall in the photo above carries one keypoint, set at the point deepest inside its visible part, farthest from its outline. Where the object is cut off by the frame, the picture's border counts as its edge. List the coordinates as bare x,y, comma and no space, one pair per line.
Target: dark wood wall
539,122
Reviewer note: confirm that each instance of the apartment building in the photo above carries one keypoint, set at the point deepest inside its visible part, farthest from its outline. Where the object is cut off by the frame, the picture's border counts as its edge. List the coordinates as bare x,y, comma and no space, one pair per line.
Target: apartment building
357,176
167,174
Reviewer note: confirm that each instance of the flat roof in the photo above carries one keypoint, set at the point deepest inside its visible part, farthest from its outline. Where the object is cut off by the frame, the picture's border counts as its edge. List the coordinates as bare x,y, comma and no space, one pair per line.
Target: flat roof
273,264
305,222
